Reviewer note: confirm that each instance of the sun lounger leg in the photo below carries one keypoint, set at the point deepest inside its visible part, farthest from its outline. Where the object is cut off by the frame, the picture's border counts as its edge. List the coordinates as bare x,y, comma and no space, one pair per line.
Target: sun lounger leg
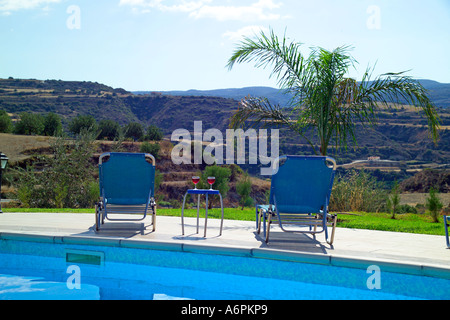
333,225
257,213
269,221
264,223
446,224
154,218
258,220
221,221
97,218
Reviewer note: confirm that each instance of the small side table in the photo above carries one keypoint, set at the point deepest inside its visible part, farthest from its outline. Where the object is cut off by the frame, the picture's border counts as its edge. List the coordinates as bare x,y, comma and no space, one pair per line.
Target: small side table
199,192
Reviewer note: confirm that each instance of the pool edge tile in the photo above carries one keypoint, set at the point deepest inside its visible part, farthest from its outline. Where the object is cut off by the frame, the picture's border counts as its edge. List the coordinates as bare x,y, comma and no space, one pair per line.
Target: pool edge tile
27,237
231,251
436,272
385,265
94,241
154,245
291,256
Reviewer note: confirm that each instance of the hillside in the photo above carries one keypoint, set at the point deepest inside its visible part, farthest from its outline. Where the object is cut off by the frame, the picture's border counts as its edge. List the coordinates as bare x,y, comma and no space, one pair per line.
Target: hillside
276,96
71,98
401,135
176,179
439,93
66,98
426,179
174,112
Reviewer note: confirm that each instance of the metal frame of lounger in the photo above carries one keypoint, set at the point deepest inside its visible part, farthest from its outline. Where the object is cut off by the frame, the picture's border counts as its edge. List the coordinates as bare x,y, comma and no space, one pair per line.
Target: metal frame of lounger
447,225
103,208
313,220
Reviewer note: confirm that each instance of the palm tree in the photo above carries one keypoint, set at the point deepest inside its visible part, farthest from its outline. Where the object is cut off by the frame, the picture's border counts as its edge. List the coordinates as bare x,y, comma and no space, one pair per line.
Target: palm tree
324,99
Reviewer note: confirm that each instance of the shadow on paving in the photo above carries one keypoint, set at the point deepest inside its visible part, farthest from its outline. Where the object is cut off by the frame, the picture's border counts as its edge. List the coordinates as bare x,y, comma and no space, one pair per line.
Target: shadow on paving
123,229
293,241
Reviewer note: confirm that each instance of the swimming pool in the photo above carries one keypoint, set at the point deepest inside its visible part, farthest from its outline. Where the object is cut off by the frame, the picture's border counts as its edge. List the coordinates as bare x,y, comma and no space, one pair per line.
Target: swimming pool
52,268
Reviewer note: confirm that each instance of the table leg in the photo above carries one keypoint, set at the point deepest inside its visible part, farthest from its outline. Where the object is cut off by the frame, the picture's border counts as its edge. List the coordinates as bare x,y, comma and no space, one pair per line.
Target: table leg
198,211
206,215
182,214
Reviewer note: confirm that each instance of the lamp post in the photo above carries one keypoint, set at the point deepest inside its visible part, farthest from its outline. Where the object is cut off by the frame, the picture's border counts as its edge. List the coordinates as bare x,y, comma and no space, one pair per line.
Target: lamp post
3,162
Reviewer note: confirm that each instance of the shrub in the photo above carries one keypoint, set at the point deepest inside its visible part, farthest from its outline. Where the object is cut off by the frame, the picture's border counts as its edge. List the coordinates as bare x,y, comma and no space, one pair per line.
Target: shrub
134,131
357,191
62,181
406,208
154,133
434,204
83,123
109,129
153,149
29,124
393,200
243,188
222,175
6,125
52,125
174,203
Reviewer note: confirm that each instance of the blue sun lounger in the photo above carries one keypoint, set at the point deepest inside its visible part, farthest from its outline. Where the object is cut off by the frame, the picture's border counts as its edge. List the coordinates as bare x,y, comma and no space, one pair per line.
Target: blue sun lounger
127,186
299,196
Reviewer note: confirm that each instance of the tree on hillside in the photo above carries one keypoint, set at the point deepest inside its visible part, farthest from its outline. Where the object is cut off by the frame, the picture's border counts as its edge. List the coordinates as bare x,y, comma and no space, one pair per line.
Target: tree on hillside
29,124
109,129
52,125
82,123
6,125
154,133
325,100
134,130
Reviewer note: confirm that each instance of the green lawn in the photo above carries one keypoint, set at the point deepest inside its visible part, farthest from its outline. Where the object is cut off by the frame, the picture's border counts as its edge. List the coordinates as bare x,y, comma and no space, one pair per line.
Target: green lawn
248,214
411,223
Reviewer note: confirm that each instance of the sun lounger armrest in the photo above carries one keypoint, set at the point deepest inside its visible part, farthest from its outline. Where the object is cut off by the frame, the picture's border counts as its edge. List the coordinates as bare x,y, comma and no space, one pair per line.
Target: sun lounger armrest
152,158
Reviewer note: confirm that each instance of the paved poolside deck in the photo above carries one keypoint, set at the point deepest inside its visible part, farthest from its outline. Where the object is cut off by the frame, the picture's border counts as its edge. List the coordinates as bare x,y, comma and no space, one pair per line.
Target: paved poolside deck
349,245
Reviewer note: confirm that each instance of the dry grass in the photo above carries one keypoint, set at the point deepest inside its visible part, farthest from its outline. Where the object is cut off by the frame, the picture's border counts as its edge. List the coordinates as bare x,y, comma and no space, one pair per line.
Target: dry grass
14,146
420,198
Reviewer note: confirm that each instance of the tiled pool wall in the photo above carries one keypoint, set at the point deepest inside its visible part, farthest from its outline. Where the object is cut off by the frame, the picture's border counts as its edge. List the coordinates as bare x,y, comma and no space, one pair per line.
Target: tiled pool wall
256,262
160,256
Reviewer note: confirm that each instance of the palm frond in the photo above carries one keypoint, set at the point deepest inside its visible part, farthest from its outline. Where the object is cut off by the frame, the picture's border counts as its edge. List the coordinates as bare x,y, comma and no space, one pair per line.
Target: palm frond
398,88
268,50
324,99
259,112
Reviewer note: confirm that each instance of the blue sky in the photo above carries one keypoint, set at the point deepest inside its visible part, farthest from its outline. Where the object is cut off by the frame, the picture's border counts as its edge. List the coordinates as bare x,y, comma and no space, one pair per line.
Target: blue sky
159,45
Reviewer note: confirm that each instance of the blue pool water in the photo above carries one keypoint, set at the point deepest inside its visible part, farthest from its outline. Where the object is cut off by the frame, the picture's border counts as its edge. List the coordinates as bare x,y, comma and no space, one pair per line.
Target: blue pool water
31,270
